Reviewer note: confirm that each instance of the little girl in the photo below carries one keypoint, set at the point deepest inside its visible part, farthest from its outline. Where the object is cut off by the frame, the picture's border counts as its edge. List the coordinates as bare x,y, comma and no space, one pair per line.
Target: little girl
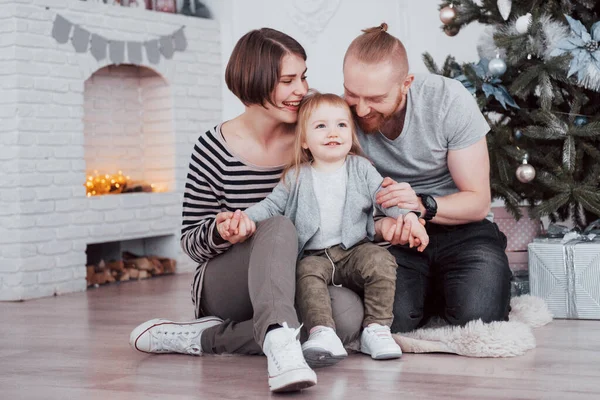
328,192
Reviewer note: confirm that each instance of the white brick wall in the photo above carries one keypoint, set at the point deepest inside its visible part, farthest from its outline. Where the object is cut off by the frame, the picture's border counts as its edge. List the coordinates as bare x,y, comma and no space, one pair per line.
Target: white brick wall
48,142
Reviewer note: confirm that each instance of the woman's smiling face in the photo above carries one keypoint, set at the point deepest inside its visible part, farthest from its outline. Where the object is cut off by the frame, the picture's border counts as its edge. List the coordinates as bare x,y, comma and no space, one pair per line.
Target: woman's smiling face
290,89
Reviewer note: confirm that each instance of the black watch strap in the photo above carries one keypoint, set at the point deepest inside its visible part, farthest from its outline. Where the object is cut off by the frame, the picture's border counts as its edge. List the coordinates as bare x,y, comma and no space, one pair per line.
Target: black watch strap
430,206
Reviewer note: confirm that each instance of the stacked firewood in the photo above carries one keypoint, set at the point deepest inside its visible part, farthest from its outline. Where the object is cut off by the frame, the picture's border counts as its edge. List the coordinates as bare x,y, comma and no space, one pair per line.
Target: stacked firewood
130,267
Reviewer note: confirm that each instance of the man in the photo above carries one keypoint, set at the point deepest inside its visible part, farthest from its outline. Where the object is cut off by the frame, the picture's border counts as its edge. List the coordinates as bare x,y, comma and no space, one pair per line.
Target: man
427,133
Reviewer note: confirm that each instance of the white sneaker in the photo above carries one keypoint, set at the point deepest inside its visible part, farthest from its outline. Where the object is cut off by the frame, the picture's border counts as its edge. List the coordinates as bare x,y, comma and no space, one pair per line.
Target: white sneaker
164,336
287,368
377,341
323,348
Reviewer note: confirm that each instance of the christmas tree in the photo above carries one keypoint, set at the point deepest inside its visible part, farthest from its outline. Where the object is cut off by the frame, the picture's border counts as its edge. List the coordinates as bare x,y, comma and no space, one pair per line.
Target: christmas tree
538,84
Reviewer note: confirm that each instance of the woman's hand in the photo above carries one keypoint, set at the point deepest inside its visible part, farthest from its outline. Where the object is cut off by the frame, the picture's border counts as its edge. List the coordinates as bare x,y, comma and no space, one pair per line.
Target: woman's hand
398,194
234,227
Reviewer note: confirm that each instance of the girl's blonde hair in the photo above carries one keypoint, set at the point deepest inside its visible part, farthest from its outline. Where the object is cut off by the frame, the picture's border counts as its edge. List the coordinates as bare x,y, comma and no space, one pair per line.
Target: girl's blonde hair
308,105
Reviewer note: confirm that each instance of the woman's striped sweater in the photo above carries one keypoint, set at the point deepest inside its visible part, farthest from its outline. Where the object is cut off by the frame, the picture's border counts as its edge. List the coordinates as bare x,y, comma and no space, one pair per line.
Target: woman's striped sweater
217,180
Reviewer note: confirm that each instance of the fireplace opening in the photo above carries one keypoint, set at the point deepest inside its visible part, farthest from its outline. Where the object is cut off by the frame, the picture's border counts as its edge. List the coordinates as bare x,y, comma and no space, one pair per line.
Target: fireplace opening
134,259
128,124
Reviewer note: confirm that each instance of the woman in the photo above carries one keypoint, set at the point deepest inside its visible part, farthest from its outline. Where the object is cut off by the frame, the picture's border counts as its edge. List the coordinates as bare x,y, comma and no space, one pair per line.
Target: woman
249,280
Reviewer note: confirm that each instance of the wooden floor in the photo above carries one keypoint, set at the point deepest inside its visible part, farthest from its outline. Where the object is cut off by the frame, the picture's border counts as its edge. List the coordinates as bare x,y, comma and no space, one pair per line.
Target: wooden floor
76,347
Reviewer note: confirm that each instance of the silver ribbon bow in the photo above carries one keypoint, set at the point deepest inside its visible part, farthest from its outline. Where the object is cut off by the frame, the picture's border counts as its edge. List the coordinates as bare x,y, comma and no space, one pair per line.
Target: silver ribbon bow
569,241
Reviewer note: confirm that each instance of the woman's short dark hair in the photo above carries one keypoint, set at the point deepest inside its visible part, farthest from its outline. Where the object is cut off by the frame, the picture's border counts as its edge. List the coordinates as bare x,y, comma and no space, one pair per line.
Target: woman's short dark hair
254,67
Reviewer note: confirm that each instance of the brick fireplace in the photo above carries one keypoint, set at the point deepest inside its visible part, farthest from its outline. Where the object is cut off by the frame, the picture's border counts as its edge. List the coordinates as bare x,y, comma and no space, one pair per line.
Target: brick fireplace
64,115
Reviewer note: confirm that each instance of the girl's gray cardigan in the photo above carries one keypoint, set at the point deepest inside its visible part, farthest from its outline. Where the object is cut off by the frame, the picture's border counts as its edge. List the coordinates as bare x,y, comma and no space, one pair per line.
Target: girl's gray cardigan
295,199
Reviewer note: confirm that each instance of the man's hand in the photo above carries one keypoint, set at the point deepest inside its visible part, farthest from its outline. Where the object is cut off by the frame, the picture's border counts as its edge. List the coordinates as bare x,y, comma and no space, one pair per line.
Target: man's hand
235,227
398,194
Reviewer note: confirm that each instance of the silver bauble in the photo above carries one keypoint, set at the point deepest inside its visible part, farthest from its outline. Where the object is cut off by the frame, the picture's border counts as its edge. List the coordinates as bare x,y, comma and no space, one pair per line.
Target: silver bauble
523,23
497,66
518,134
525,173
447,14
580,120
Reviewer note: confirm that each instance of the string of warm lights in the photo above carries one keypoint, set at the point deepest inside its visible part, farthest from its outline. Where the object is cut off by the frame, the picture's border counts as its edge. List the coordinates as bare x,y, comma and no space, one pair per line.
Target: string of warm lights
98,184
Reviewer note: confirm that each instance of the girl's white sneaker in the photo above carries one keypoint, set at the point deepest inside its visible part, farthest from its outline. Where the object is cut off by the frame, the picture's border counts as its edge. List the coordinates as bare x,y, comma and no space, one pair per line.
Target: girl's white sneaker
377,341
323,348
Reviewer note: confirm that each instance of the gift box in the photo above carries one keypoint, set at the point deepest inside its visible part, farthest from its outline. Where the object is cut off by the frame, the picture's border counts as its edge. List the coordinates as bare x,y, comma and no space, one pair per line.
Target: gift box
566,274
518,233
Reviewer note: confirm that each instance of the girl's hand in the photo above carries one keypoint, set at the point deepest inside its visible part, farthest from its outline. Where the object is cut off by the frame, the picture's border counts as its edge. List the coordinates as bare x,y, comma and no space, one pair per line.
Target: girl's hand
418,236
390,230
398,194
237,228
223,222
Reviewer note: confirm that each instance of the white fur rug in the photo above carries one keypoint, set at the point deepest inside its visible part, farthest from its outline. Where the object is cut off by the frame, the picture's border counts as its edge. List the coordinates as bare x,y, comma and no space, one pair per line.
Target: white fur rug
477,339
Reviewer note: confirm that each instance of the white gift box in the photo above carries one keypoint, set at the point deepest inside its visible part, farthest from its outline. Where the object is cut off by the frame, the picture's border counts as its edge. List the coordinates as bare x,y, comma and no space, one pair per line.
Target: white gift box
566,276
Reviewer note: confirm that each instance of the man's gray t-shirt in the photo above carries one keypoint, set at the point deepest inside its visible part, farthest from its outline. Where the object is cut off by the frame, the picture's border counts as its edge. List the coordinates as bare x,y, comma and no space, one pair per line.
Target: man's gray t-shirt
441,115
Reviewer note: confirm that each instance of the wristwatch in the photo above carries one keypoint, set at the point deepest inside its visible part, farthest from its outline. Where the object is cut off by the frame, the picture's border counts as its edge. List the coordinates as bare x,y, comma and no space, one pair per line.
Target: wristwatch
430,206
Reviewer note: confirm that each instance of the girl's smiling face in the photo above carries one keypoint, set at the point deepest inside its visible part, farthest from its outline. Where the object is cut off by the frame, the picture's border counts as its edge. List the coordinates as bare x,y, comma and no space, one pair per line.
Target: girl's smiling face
328,134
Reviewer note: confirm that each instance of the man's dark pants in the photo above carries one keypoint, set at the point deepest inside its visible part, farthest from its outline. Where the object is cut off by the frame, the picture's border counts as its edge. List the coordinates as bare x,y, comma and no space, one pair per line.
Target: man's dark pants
463,275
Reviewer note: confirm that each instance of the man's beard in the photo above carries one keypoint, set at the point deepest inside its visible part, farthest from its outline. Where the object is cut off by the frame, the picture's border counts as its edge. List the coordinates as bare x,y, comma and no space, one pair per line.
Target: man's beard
377,120
373,124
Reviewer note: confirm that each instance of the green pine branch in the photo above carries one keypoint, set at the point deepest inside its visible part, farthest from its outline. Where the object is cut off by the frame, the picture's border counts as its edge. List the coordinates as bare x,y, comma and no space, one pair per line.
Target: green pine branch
590,130
592,151
592,179
430,64
505,170
569,154
549,206
579,100
589,199
575,213
543,132
524,83
510,197
552,182
451,68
